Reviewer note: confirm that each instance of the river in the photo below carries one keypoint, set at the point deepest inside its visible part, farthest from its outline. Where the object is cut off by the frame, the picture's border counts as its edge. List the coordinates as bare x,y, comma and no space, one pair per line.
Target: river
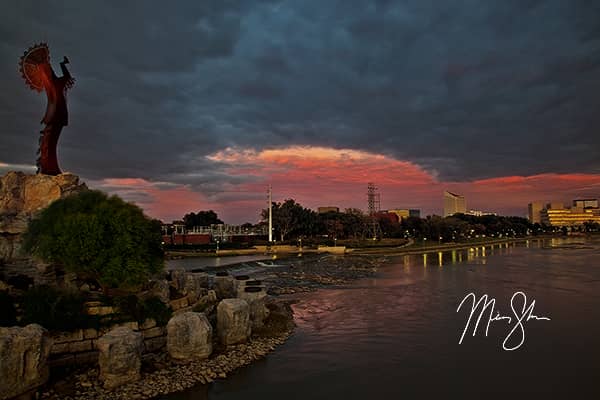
395,336
202,262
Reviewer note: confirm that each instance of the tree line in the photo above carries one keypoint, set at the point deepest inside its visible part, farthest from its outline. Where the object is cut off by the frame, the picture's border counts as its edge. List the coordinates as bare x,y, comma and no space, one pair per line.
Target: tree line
292,221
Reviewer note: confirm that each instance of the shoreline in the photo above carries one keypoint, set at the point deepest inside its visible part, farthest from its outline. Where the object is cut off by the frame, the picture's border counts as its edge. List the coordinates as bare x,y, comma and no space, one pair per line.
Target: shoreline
417,249
285,283
162,376
367,250
176,377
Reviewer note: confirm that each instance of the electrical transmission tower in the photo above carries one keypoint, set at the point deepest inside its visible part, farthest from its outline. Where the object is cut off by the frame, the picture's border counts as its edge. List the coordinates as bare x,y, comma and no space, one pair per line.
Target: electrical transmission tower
374,205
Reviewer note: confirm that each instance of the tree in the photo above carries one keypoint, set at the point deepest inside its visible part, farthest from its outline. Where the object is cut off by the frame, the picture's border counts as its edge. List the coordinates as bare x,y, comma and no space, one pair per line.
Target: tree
355,223
201,218
98,236
290,218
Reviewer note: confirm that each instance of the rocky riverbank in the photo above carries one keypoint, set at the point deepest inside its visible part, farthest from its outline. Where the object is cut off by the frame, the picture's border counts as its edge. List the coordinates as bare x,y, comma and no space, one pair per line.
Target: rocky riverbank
172,378
161,375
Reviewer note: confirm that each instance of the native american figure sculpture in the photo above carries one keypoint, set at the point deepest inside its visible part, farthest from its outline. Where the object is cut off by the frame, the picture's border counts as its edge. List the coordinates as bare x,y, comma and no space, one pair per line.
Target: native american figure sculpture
39,75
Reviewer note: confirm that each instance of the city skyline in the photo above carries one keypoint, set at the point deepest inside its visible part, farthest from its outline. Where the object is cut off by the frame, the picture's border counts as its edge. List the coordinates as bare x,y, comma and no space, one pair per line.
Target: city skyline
204,105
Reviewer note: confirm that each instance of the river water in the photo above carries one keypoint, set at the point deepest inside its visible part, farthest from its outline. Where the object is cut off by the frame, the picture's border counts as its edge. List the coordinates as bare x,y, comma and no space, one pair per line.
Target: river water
201,262
395,336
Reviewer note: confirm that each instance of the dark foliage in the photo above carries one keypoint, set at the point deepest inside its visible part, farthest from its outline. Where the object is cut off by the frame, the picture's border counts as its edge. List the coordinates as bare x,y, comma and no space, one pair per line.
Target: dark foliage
8,314
55,309
131,307
201,218
94,235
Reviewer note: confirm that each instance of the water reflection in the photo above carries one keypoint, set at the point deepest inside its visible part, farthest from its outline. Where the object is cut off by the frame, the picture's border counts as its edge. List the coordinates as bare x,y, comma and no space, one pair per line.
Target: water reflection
396,335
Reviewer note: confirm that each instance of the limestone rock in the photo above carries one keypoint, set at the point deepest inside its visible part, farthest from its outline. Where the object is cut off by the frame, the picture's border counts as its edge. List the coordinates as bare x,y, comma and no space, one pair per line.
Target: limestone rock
159,288
256,298
224,286
195,285
233,321
239,284
22,196
120,357
189,337
178,279
23,359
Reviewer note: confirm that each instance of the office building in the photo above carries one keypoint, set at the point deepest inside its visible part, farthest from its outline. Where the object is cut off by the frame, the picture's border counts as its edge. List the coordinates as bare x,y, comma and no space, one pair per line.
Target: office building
404,213
568,217
585,203
324,210
454,203
535,208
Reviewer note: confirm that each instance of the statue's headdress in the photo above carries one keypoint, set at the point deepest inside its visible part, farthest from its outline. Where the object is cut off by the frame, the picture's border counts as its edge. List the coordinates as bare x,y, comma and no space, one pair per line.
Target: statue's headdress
30,63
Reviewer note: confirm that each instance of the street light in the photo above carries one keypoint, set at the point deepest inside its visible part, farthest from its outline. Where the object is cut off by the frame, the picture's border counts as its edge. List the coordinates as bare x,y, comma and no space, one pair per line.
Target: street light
217,246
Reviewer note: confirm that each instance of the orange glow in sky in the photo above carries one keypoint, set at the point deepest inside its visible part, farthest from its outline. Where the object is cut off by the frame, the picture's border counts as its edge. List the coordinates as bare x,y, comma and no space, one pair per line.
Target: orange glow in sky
320,176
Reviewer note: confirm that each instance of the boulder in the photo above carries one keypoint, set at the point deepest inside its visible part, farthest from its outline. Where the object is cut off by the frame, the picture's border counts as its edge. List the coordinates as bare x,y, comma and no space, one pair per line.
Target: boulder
159,288
178,277
120,357
233,321
23,359
256,298
195,285
224,286
239,284
22,196
189,337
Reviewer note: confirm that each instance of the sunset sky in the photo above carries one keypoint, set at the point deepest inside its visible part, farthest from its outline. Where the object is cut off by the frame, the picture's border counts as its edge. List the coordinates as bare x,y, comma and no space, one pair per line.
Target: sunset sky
203,104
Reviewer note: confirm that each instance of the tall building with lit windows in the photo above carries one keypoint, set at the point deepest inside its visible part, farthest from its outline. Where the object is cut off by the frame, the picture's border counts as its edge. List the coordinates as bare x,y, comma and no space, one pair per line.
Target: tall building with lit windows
454,203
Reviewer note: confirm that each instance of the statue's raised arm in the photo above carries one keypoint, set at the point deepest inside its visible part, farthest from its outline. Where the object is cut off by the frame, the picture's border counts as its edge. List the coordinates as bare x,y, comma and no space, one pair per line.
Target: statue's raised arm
38,74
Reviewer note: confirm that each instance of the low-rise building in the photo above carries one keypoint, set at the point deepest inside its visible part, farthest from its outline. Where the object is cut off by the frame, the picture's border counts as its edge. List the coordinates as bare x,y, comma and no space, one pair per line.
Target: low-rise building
568,216
324,210
585,203
479,213
404,213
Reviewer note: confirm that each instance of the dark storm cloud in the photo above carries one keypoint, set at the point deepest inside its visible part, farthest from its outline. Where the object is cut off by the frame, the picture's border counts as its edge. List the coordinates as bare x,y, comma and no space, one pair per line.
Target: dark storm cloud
466,89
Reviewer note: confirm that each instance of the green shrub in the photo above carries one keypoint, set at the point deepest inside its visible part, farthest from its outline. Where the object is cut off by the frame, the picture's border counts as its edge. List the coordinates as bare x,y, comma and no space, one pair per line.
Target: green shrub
8,313
98,236
55,309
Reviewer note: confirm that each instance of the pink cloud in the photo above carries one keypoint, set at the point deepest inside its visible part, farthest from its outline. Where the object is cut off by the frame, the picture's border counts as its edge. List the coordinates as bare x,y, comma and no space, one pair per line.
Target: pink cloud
319,176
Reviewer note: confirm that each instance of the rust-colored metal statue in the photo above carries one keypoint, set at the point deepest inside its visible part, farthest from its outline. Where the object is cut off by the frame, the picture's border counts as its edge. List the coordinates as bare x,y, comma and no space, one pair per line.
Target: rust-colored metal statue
39,75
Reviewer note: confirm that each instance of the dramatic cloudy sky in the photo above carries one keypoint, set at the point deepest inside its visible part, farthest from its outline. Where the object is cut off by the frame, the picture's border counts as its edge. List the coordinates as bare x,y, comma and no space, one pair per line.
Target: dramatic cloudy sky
185,106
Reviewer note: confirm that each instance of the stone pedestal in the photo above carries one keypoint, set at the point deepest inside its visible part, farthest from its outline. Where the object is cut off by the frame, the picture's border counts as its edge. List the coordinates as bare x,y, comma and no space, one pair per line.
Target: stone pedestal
120,357
189,337
224,286
256,298
23,359
22,196
195,285
233,321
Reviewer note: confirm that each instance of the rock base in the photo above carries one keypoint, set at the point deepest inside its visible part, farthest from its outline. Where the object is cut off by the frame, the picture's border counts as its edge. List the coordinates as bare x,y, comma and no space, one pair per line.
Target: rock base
23,356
